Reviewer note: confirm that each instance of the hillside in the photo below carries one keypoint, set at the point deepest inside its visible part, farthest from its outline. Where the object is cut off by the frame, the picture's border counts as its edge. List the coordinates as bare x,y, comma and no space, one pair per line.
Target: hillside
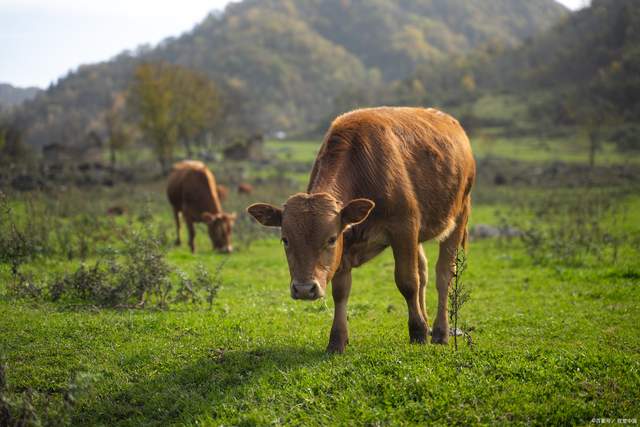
11,96
586,66
281,64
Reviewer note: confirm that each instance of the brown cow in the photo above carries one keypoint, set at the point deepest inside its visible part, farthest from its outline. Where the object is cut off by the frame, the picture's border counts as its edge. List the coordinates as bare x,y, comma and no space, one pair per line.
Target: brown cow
383,177
223,192
245,188
192,191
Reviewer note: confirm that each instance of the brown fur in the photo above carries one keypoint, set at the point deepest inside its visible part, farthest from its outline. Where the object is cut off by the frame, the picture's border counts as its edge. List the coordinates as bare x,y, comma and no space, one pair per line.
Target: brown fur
191,190
223,193
416,167
245,188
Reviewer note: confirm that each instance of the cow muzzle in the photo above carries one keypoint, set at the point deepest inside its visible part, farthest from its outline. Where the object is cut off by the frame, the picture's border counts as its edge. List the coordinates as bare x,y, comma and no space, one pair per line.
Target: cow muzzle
307,290
226,250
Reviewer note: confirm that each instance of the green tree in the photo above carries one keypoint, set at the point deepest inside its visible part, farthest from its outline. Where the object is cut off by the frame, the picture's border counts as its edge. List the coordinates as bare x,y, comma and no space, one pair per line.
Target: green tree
152,97
197,106
118,132
174,104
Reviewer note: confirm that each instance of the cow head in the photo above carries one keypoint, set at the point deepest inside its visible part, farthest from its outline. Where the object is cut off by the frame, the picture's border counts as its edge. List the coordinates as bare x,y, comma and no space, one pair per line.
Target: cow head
312,228
220,226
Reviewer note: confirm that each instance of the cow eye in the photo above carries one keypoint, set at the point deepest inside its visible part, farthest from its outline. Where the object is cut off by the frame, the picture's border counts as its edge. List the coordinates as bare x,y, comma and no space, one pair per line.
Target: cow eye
285,242
332,241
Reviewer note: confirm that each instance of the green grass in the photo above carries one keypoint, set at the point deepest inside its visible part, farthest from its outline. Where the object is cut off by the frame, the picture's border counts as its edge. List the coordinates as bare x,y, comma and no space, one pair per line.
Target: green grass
294,151
552,346
548,150
485,144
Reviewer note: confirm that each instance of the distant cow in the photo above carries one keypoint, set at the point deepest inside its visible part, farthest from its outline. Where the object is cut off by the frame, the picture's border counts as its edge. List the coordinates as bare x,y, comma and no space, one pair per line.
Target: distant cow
245,188
223,192
192,190
383,177
116,210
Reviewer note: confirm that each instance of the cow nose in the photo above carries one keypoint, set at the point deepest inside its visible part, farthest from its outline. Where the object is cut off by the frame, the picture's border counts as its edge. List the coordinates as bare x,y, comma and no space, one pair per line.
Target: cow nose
306,290
227,249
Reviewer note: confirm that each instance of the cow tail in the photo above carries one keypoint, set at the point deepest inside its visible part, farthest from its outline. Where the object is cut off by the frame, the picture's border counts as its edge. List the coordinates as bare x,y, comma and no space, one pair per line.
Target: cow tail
465,239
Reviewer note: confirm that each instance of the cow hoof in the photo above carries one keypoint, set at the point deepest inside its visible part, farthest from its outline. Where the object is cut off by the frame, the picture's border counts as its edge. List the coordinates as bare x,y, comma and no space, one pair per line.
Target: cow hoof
336,348
439,336
418,334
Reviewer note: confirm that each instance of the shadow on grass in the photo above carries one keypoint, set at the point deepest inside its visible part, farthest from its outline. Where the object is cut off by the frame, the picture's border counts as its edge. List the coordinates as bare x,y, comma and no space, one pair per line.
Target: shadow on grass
199,388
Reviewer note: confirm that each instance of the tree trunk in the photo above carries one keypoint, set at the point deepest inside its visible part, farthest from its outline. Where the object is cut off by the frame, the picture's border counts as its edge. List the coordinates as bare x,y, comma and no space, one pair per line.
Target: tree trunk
593,146
112,155
187,146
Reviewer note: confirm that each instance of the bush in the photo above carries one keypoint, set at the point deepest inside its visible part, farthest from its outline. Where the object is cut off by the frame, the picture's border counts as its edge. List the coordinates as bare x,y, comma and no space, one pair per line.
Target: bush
17,408
141,272
572,229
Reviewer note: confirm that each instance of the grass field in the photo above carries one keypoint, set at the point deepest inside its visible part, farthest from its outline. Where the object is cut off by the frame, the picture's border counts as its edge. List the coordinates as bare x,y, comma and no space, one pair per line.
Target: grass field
553,343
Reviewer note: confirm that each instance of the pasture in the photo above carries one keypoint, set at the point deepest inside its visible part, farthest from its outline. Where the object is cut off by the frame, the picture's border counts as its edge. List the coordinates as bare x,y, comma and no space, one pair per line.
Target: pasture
552,315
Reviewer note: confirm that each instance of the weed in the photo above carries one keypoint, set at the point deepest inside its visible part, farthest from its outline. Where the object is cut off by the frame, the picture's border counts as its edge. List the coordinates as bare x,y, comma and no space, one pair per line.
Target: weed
17,409
140,273
459,294
186,291
211,285
570,228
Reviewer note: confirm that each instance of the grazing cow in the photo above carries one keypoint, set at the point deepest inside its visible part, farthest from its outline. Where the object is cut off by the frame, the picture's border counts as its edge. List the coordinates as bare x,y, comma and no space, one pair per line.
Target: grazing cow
223,192
116,210
192,191
245,188
383,177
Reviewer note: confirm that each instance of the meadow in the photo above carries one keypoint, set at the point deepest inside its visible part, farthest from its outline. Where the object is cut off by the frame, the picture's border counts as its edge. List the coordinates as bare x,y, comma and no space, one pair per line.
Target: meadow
552,315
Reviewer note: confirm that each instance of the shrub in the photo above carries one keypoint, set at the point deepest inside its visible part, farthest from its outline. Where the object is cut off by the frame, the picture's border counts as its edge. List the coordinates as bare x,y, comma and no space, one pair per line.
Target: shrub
140,273
572,229
17,408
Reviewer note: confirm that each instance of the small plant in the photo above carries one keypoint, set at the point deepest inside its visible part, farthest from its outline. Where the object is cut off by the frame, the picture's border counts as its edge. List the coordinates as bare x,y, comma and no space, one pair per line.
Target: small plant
459,294
145,270
15,248
573,230
140,273
17,408
186,291
210,285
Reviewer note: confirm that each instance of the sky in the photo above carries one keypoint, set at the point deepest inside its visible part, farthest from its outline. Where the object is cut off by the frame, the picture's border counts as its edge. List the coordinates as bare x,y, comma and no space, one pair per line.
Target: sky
42,40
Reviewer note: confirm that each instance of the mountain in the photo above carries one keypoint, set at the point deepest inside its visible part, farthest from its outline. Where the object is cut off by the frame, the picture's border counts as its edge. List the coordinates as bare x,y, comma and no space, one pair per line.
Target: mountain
281,64
585,67
11,96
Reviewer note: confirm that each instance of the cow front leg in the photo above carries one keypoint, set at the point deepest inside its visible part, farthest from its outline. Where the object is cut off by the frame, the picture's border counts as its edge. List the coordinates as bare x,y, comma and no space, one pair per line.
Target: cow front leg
406,253
192,235
340,289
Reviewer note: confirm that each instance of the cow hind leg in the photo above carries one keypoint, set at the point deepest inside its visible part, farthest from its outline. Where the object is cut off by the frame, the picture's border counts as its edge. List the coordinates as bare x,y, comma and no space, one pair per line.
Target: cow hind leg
445,268
406,254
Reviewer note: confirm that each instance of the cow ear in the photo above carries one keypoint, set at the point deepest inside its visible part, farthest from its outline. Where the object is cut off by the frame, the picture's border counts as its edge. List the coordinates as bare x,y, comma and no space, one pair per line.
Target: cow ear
266,215
356,211
209,218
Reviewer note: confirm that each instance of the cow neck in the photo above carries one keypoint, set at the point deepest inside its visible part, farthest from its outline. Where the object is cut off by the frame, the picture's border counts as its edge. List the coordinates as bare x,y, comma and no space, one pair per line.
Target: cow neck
330,185
215,206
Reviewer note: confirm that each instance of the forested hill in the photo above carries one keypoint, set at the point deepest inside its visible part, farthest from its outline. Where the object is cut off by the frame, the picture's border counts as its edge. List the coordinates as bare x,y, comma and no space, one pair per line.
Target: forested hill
395,36
586,67
282,63
11,96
